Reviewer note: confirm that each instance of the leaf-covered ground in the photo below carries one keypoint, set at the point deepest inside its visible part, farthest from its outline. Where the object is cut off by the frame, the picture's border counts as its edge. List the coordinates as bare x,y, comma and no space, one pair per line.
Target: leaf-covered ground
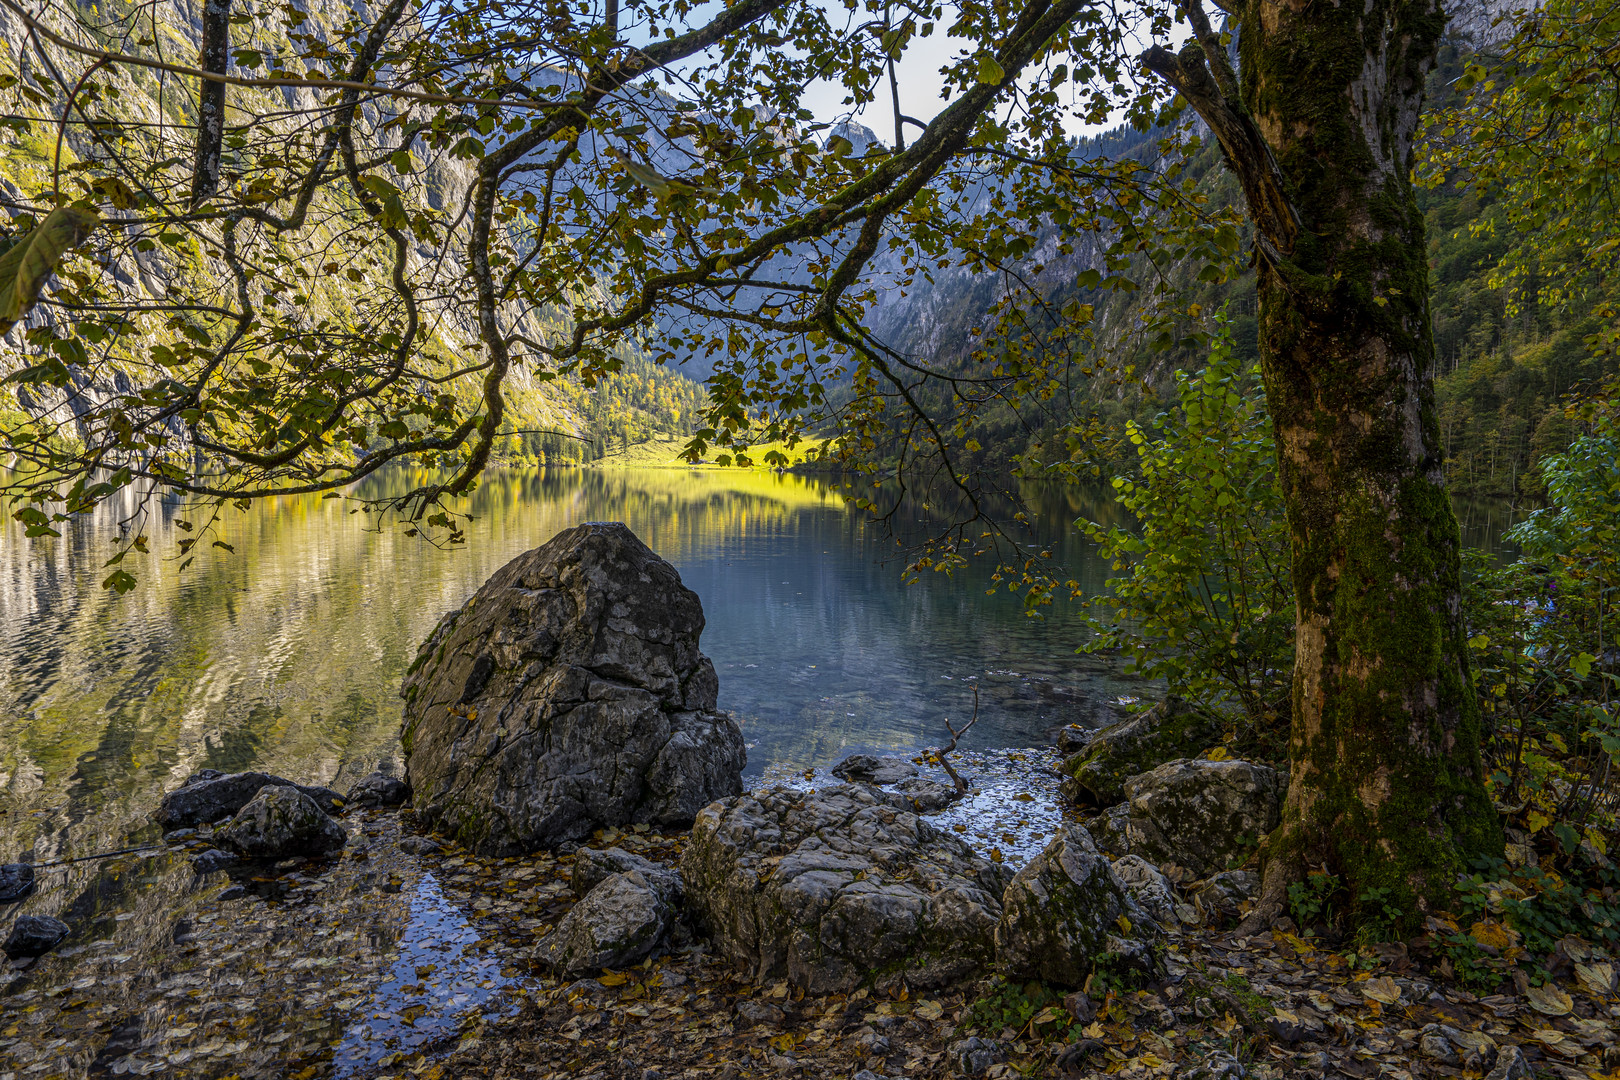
1278,1004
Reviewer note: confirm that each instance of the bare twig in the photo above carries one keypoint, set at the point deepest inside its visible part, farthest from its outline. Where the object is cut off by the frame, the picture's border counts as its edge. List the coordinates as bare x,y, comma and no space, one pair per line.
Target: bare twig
940,753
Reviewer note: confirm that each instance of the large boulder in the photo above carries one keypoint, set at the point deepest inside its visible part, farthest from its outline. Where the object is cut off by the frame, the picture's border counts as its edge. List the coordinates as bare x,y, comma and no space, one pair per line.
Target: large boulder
835,888
1067,914
622,920
209,795
568,695
1201,815
280,822
1096,774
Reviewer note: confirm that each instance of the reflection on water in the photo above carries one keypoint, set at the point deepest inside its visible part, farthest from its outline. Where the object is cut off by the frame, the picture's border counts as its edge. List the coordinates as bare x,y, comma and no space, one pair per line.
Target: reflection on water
288,654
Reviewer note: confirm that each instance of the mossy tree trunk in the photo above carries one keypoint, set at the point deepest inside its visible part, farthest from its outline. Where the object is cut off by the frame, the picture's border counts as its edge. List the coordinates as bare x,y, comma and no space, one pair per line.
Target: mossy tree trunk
1387,782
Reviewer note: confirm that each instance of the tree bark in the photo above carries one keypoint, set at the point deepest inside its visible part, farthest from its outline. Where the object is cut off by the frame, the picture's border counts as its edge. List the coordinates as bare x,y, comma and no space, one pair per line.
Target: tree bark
1387,786
215,56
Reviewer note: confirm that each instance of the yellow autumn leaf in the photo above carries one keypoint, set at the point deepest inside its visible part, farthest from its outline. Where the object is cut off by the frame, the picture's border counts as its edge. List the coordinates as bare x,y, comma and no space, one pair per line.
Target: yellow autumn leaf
614,978
1383,989
1492,933
1596,979
1549,1000
1537,820
929,1010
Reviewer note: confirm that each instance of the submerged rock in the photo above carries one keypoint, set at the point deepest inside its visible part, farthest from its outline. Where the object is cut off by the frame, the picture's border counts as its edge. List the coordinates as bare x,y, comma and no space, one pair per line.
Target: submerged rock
16,881
34,935
568,695
379,789
1200,815
867,769
207,862
209,795
833,888
1062,918
1096,774
622,920
280,822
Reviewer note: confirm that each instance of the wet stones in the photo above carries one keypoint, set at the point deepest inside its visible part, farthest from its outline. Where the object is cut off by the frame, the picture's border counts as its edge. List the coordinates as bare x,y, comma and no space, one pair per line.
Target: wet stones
280,822
566,696
1067,914
835,888
34,935
209,795
379,789
1200,815
1097,773
16,881
622,920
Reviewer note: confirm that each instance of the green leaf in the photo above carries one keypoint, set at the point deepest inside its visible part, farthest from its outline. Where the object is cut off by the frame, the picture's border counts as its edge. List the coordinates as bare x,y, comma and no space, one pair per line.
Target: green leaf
990,72
119,581
402,162
1581,665
31,261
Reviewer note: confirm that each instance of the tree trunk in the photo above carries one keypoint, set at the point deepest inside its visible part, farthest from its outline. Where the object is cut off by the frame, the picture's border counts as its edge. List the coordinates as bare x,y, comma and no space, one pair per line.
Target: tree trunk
215,57
1387,786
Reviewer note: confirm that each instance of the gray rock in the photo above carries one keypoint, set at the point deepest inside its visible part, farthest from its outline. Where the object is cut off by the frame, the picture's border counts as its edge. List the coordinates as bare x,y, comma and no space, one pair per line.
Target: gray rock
1216,1065
209,795
1437,1047
593,866
1200,815
1511,1064
834,888
179,836
867,769
622,921
379,789
921,795
207,862
1072,738
1110,830
419,845
1222,895
1096,774
758,1012
34,935
566,696
16,881
231,892
1061,918
973,1057
1149,888
280,822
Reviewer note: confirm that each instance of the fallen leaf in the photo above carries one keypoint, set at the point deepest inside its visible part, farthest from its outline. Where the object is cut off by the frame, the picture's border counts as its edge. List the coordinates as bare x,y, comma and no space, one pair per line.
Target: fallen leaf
1596,979
1382,989
1549,1000
1494,934
929,1010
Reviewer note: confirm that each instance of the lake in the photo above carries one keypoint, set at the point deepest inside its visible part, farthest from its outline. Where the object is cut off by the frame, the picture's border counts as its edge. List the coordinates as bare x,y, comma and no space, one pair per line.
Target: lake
287,655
